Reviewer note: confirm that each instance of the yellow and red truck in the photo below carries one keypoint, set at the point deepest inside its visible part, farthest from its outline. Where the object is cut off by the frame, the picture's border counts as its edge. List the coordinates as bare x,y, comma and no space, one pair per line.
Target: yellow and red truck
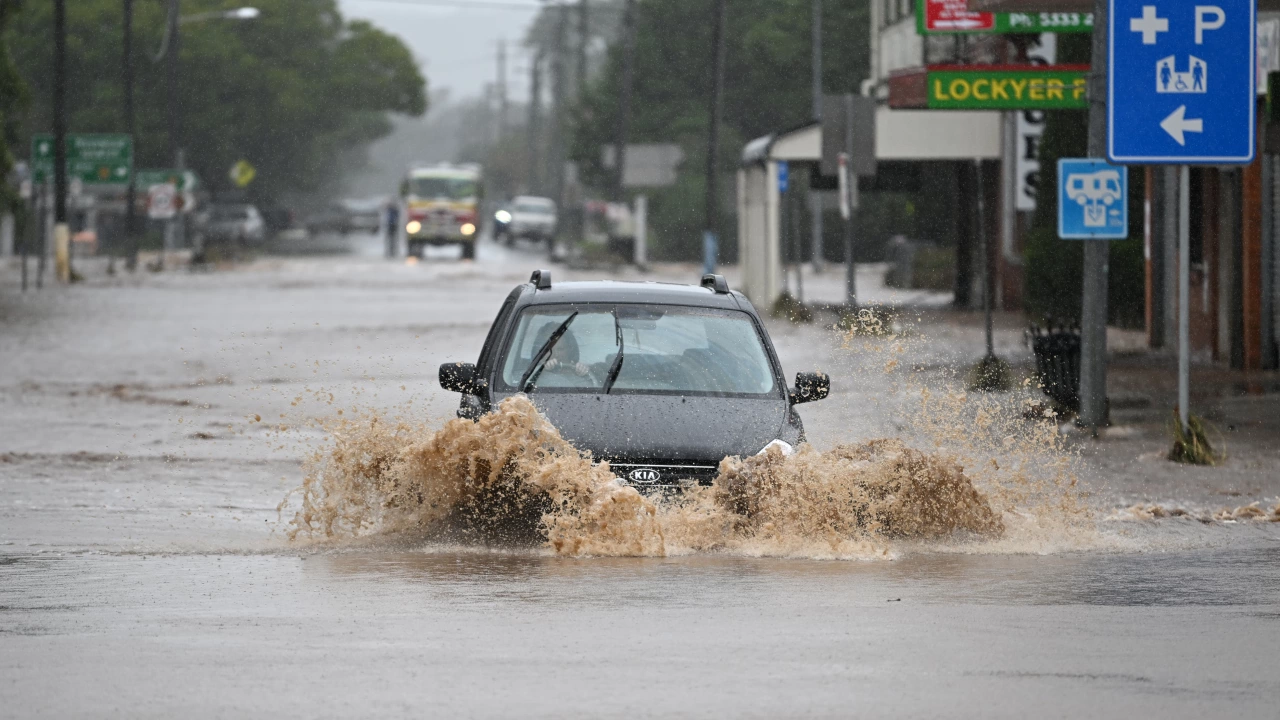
442,207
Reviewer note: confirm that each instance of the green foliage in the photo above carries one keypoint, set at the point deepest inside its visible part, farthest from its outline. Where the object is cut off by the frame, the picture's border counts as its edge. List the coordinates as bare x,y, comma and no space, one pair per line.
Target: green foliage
767,71
297,92
14,98
1054,267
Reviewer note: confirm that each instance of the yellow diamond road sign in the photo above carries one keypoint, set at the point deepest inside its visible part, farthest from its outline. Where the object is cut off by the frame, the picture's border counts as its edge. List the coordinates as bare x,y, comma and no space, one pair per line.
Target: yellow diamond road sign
242,173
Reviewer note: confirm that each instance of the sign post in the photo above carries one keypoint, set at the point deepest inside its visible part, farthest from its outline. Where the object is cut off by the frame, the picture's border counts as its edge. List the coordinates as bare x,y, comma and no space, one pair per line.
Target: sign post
1181,91
1092,200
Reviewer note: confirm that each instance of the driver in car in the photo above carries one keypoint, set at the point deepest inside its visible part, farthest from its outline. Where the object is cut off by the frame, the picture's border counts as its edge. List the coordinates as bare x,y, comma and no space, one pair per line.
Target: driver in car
564,354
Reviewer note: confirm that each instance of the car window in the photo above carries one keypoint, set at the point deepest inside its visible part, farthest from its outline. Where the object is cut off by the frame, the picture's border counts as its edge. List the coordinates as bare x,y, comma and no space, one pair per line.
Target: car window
534,208
667,349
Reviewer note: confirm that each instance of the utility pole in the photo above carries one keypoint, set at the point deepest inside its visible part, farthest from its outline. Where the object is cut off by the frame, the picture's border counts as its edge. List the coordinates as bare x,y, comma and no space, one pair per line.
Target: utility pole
556,161
534,125
1093,310
710,237
502,90
130,197
584,37
815,197
173,51
624,102
61,232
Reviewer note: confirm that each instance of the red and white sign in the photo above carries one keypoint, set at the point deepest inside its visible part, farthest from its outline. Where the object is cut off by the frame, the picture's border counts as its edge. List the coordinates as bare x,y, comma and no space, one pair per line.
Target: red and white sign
954,16
162,201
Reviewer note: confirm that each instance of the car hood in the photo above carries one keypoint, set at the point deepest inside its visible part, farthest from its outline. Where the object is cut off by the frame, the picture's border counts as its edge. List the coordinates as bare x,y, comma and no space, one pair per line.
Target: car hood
663,427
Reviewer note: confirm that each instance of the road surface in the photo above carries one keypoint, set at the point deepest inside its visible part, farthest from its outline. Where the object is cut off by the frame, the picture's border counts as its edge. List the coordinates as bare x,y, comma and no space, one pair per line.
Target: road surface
150,425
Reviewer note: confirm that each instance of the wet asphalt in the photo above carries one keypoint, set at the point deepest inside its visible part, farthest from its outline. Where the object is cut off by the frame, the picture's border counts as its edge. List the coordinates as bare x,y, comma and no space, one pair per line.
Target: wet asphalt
150,425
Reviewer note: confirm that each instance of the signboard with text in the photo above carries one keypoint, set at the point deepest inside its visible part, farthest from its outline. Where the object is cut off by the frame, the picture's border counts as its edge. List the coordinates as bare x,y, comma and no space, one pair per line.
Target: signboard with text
93,159
938,17
1007,87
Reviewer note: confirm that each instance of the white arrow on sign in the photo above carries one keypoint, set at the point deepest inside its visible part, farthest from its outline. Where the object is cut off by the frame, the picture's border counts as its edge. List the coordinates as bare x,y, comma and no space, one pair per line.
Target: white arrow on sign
1176,124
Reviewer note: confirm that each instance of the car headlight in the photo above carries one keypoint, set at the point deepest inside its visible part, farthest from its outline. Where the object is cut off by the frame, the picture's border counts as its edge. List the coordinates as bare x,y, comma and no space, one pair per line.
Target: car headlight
502,216
783,446
413,226
468,229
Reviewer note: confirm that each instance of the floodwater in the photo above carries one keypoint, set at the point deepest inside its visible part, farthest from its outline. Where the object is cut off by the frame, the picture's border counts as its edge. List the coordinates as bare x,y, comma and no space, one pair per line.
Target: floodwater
145,570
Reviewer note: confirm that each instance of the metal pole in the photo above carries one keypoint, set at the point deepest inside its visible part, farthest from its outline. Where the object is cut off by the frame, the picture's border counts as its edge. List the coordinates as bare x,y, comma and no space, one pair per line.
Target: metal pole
1184,295
624,103
984,248
130,197
174,233
533,128
61,233
1093,311
584,36
558,88
710,235
502,90
815,196
850,271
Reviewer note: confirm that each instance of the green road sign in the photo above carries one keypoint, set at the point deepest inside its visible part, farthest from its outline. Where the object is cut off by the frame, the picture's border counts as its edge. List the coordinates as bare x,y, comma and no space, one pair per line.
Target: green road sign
184,181
96,159
1007,87
947,17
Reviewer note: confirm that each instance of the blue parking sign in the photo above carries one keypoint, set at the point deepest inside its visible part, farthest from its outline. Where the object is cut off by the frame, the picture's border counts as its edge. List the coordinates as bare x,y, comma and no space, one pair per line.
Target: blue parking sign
784,176
1093,200
1180,82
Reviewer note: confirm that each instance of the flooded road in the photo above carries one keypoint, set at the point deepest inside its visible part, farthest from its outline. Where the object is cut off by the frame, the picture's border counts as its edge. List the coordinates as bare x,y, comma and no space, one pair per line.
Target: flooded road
152,425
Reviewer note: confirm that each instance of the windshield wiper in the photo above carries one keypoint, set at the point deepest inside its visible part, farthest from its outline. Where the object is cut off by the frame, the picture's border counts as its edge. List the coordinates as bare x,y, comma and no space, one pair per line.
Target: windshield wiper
535,368
616,367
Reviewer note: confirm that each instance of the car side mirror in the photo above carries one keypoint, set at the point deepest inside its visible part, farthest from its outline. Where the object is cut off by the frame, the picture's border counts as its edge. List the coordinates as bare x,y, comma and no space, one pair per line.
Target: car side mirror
810,386
462,377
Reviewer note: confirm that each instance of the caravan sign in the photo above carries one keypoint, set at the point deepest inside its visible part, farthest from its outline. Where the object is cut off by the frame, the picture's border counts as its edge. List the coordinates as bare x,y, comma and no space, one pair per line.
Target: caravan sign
1092,200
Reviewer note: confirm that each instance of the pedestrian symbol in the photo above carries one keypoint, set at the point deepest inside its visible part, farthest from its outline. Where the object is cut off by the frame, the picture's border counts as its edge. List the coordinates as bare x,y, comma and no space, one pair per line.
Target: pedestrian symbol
1169,80
1092,200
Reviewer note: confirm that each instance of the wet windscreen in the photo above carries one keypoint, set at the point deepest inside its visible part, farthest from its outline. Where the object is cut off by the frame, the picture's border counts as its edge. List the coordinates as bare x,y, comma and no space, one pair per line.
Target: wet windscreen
666,350
439,187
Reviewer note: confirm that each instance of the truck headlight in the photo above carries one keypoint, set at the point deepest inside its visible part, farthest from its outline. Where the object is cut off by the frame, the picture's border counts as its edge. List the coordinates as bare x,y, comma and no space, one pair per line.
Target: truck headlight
783,446
468,229
502,216
413,226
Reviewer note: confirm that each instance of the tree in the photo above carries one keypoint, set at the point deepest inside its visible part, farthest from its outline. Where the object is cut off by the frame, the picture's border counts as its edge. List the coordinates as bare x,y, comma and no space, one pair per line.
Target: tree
767,87
14,98
298,92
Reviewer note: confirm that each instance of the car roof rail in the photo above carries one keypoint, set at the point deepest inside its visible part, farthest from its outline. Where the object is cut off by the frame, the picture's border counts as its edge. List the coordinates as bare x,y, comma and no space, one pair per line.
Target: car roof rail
716,283
541,279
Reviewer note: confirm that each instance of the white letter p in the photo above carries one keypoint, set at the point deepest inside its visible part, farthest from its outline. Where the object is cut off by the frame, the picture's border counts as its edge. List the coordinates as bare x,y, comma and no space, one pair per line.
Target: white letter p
1203,12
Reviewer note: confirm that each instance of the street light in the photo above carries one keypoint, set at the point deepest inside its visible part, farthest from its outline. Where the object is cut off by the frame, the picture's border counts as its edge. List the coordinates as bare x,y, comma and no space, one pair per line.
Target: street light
169,48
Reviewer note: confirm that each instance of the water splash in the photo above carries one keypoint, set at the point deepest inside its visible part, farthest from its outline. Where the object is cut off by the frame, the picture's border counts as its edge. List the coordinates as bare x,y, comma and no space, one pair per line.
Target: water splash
512,477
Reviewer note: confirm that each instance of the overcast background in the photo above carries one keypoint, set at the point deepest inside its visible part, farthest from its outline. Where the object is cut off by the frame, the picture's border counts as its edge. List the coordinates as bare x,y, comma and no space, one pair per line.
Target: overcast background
456,44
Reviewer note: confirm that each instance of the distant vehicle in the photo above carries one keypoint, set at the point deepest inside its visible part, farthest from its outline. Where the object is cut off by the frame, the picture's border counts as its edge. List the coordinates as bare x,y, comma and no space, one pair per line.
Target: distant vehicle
532,218
239,223
1102,186
442,205
363,215
663,381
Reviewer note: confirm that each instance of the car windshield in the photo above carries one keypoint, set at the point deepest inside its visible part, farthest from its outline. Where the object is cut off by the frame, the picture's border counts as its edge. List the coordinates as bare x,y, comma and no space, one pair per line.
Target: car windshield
667,350
230,213
534,208
442,187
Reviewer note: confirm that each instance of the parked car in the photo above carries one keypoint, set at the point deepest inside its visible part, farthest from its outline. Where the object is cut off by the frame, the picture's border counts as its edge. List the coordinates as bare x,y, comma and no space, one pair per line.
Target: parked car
661,380
235,223
532,218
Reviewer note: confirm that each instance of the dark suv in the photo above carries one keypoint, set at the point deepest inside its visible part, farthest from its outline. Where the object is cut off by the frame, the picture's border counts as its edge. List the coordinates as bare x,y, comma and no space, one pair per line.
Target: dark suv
661,380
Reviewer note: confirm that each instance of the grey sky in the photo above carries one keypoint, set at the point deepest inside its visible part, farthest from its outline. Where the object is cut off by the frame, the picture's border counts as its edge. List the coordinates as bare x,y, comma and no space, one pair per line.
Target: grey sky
455,41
